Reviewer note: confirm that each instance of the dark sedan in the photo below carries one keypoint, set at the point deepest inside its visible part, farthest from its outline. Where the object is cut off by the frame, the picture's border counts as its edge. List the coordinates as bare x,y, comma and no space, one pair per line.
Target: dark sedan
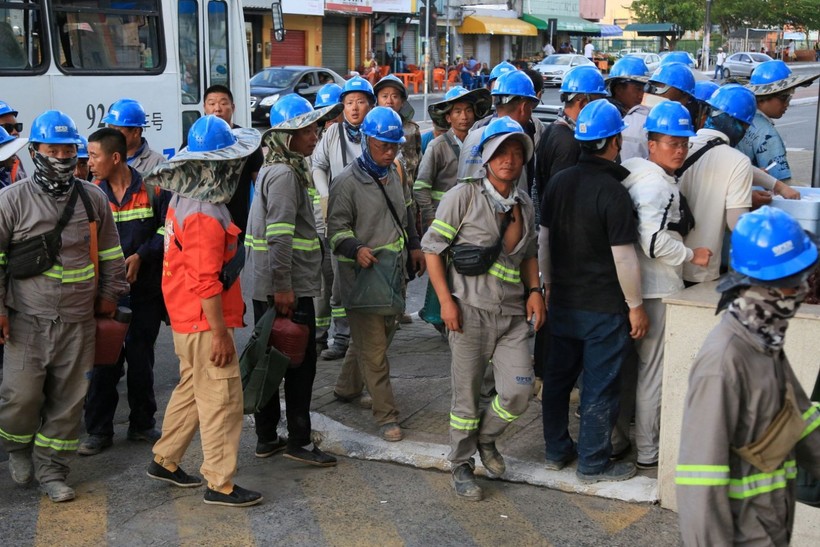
272,83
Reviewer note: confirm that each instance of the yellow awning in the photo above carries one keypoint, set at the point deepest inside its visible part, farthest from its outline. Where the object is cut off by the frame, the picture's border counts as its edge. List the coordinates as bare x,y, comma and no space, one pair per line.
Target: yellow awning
481,24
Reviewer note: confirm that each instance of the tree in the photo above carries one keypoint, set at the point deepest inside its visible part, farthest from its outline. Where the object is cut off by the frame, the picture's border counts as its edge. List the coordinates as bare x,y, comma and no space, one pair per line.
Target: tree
687,14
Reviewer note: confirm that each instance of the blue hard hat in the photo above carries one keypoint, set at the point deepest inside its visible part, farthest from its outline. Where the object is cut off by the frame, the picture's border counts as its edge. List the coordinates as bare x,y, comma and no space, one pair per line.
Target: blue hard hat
627,67
499,130
328,95
516,84
598,120
769,72
584,79
384,124
704,90
735,100
82,148
676,75
500,69
677,57
6,109
670,118
5,137
360,85
210,133
455,92
126,113
393,81
768,244
54,127
288,107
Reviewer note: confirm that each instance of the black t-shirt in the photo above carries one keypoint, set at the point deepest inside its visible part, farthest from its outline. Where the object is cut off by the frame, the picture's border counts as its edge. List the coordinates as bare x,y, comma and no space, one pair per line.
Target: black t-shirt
588,211
557,150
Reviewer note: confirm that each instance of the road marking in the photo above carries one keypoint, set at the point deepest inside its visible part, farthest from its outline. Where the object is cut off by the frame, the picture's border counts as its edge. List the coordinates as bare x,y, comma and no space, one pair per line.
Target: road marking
201,524
83,521
611,516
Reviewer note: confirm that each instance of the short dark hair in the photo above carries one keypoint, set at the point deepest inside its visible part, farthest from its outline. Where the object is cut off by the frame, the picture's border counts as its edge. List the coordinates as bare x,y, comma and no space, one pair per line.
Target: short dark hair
537,79
218,88
110,141
597,147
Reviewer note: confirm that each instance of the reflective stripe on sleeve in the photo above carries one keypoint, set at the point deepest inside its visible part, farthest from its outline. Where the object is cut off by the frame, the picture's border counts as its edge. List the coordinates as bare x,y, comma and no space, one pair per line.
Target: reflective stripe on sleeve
444,230
133,214
510,275
421,185
110,254
338,236
437,195
256,243
71,276
3,259
762,483
280,229
812,419
702,475
300,244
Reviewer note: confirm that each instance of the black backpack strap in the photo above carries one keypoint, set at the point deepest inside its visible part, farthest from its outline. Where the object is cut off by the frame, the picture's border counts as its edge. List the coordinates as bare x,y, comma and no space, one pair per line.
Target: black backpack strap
68,211
453,145
690,161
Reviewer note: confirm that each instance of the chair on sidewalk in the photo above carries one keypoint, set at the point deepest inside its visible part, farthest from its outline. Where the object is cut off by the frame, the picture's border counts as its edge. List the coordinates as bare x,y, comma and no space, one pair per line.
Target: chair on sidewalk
417,81
438,78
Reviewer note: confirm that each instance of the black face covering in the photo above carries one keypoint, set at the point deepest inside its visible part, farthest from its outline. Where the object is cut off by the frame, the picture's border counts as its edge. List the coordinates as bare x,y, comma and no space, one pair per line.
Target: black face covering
727,125
53,175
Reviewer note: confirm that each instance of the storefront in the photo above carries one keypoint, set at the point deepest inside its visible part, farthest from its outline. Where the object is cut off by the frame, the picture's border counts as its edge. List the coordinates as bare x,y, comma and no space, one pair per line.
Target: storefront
346,33
568,28
303,40
396,33
493,39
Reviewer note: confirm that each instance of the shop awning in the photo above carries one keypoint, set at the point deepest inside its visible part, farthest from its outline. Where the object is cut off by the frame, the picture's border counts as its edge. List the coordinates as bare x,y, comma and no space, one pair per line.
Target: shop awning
566,23
482,24
655,29
611,30
540,24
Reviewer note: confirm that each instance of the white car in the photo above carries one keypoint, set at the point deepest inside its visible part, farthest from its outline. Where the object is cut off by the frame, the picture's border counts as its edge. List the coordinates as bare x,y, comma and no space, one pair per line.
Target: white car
652,60
554,67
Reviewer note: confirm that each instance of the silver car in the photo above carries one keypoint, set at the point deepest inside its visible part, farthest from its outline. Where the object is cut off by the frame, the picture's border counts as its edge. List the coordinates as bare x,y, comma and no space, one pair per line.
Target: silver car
742,64
652,60
554,67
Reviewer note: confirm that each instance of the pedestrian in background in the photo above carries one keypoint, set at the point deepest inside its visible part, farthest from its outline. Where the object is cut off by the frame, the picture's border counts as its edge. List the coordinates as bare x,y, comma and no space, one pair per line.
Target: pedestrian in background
8,121
720,59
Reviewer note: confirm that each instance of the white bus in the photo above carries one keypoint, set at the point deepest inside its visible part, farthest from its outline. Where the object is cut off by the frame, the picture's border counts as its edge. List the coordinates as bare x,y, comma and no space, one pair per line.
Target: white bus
79,56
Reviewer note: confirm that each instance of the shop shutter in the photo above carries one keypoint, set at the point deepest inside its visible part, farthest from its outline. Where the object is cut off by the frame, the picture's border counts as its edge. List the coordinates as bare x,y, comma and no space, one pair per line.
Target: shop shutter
289,52
408,45
334,44
468,46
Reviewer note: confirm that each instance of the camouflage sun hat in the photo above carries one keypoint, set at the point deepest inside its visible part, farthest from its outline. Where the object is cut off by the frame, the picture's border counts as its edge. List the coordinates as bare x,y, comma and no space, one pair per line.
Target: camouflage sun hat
212,181
479,98
247,141
779,86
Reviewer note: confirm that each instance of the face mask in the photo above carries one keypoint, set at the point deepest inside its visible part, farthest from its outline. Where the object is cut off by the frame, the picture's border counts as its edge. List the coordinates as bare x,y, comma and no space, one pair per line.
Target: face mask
727,125
54,175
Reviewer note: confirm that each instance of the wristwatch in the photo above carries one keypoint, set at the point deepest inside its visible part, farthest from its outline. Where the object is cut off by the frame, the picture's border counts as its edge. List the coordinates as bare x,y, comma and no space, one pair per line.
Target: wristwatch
539,290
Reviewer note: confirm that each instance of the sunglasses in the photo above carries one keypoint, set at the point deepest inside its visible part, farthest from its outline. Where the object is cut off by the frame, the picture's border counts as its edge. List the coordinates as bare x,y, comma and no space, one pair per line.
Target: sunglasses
9,127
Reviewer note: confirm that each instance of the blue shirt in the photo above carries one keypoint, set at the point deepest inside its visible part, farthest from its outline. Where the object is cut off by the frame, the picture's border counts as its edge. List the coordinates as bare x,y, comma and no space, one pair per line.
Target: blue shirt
763,145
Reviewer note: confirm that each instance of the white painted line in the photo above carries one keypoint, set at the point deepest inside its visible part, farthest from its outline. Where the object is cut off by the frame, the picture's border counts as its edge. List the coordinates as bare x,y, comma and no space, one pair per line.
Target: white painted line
795,149
804,100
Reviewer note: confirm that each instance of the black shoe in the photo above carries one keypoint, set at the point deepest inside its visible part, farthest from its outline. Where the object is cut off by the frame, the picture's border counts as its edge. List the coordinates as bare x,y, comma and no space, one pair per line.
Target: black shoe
615,472
150,435
265,450
621,454
650,465
177,478
464,483
239,497
311,457
491,458
94,444
558,465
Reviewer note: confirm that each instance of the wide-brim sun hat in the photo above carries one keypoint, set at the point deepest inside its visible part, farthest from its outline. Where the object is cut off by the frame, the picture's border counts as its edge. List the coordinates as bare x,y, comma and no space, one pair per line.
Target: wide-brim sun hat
780,86
9,146
317,116
479,98
247,141
493,144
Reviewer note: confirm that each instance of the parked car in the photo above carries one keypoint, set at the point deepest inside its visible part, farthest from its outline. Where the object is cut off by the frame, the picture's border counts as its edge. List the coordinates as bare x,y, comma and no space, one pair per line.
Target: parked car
626,51
652,60
554,67
272,83
692,61
742,64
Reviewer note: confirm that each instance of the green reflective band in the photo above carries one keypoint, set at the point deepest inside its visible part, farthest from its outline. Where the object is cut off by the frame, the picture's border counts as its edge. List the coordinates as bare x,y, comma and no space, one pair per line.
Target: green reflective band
338,236
3,259
408,203
702,475
396,246
133,214
762,483
22,439
313,192
812,419
436,195
464,424
323,321
56,444
306,244
111,254
421,185
280,229
503,414
345,259
256,243
338,313
161,230
71,276
444,229
503,273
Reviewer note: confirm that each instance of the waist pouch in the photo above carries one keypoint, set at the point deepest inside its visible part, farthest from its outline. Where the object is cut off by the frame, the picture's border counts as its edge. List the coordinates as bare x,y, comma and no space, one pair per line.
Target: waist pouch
33,256
474,259
769,451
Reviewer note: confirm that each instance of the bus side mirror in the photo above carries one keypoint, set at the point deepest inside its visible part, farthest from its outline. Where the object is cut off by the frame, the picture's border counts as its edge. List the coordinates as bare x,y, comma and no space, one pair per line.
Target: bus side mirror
278,21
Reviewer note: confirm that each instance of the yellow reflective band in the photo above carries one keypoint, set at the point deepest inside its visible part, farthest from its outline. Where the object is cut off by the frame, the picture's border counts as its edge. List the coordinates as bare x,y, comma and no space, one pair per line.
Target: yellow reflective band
280,229
256,244
444,229
464,424
421,185
338,313
338,236
161,230
436,195
396,246
70,276
323,321
345,259
306,244
812,418
762,483
313,192
133,214
22,439
3,259
505,274
503,414
111,254
408,203
702,475
56,444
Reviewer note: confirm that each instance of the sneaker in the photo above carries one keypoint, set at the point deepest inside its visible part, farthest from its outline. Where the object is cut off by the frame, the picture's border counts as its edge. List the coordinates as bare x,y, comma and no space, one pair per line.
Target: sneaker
615,472
57,491
239,497
94,444
311,457
332,353
177,478
266,450
391,432
21,467
364,400
650,465
491,458
150,435
620,454
464,483
558,465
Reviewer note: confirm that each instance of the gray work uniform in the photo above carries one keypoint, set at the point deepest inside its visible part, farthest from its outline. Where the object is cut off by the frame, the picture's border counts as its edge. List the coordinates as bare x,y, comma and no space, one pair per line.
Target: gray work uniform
145,159
494,323
358,215
437,174
50,351
285,252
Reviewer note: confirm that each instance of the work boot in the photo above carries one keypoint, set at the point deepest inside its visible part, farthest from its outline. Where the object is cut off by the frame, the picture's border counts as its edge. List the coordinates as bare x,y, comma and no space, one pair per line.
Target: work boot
150,435
58,491
391,432
615,472
491,458
94,444
20,467
334,352
239,497
464,483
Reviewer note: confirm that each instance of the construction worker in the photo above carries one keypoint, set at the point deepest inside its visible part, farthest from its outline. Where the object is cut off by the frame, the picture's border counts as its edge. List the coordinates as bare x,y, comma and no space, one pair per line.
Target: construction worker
484,309
366,220
663,219
140,220
592,280
128,117
498,71
625,82
285,258
9,123
9,146
747,423
82,171
200,283
47,312
704,90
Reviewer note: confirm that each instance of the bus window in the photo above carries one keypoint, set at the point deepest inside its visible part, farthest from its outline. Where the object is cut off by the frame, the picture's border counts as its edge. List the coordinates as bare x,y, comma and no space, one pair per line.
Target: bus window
21,37
218,42
108,36
189,51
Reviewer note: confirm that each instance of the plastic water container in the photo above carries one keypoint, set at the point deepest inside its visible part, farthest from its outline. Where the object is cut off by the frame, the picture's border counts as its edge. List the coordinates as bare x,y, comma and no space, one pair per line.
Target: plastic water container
290,336
806,210
110,338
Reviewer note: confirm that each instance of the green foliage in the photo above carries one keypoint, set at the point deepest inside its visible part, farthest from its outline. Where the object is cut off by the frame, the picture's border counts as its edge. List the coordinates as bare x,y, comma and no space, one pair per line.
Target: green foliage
688,14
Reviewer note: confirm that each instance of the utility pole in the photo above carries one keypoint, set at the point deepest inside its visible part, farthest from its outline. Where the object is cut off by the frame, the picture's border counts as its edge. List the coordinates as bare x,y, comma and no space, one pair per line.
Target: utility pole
707,37
428,4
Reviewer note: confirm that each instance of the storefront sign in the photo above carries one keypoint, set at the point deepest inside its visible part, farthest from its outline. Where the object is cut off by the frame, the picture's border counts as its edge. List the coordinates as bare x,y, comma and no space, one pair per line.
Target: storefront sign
353,6
303,7
394,6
